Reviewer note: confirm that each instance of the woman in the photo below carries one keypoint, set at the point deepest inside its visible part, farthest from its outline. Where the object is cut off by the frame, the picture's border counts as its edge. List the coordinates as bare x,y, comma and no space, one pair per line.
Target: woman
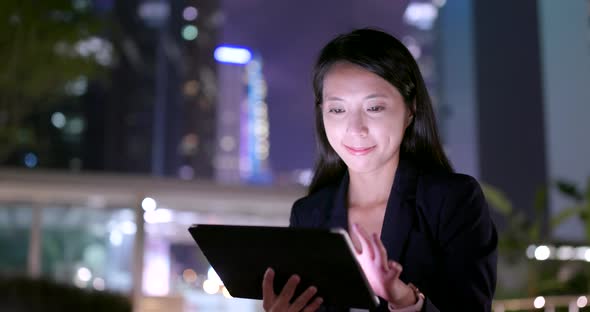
422,233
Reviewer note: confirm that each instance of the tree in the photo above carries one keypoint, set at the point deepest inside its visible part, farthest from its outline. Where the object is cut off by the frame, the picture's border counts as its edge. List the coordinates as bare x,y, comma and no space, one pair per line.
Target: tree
542,277
46,47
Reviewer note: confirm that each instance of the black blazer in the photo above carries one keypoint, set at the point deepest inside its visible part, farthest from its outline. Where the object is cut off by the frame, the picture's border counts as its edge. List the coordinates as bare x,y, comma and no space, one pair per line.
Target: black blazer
437,226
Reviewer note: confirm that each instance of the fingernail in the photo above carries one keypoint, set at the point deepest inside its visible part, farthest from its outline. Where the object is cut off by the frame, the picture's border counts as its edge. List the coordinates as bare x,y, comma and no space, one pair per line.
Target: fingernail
268,271
320,300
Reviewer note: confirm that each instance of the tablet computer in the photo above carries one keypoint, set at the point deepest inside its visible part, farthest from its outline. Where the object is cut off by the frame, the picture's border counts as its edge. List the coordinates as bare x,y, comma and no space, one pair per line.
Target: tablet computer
323,258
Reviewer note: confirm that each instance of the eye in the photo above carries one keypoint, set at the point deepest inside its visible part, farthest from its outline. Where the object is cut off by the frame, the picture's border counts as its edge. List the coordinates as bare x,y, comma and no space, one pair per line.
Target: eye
336,110
376,108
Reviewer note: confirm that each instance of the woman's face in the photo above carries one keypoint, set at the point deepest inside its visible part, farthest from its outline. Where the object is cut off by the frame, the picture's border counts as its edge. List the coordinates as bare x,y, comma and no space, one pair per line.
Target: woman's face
364,117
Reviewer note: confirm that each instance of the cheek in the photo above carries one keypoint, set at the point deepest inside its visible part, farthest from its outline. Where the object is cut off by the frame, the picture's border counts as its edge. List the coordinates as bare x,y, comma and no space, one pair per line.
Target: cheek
332,131
393,131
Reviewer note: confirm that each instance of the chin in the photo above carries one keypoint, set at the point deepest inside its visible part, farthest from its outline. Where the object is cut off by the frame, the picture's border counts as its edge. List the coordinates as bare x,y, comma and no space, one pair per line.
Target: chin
361,168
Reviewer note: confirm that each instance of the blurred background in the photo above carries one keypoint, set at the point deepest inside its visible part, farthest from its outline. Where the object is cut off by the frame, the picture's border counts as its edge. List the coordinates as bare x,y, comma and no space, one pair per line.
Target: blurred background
124,122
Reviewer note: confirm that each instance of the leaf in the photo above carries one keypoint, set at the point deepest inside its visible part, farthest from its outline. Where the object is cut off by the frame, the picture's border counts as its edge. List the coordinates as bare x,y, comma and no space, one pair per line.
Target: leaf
497,199
569,189
565,214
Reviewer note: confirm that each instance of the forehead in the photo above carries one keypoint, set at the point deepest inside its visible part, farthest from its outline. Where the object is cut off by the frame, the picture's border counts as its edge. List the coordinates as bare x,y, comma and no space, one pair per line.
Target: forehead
347,78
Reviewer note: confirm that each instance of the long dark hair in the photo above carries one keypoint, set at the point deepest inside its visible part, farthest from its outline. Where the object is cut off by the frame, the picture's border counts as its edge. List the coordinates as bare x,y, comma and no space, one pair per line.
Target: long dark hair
385,56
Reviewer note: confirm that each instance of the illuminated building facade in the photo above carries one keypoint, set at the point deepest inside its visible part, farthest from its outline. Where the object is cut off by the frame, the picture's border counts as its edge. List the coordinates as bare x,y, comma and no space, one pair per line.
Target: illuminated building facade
243,128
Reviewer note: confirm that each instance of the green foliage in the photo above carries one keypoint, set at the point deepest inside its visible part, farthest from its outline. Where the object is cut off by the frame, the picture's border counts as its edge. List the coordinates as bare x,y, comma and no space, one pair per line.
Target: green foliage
520,230
497,199
580,207
37,40
543,277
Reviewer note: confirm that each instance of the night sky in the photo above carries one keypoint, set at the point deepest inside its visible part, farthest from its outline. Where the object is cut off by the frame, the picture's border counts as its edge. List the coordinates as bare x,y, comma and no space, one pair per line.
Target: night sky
289,35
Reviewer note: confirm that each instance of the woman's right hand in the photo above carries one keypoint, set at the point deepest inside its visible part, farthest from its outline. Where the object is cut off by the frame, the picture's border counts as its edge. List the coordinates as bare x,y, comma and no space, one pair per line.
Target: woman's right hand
272,302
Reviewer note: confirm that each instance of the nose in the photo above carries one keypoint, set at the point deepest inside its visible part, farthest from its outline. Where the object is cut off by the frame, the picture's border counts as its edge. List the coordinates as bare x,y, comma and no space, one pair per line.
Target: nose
357,125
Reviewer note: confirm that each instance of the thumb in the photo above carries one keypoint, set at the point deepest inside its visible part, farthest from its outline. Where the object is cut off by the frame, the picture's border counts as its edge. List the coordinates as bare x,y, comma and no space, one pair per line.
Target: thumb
396,268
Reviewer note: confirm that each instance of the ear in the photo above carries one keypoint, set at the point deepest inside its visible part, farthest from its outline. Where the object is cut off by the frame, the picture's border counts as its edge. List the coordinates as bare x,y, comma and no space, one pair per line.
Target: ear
409,120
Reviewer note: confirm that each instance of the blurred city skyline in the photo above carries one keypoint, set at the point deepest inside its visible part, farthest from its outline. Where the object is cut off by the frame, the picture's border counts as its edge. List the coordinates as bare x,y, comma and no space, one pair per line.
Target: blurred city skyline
109,121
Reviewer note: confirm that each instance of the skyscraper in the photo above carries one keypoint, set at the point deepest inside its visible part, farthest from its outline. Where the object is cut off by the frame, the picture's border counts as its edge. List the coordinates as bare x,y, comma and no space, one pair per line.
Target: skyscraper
243,128
167,128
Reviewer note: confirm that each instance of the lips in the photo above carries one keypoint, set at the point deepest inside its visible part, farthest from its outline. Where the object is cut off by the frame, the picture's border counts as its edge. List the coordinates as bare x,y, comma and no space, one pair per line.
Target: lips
359,151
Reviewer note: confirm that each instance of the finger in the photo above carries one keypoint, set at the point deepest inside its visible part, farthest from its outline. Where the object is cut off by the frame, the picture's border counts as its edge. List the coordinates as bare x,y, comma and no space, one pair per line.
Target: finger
314,305
363,238
358,239
268,293
303,299
396,268
356,242
289,289
381,253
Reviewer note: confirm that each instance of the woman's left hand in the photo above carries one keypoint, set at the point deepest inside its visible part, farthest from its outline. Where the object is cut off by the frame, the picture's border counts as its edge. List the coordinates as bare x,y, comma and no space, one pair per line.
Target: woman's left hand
382,274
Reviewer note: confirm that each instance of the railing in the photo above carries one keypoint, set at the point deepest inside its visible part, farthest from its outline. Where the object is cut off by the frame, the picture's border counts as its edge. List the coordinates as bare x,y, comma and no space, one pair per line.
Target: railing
541,303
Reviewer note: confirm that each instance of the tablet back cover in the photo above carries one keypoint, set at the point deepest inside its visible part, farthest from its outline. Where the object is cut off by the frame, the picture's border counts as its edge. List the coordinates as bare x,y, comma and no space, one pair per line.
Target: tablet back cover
241,254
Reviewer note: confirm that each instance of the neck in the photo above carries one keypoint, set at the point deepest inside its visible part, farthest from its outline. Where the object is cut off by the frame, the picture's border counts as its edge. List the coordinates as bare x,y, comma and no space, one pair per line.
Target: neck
368,189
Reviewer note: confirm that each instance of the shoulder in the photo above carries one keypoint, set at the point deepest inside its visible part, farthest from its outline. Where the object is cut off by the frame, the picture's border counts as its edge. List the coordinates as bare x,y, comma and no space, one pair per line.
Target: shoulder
465,238
308,208
438,189
451,200
445,184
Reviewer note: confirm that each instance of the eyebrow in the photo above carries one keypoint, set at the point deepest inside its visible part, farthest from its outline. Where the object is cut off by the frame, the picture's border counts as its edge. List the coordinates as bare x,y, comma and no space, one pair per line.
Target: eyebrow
375,96
333,98
368,97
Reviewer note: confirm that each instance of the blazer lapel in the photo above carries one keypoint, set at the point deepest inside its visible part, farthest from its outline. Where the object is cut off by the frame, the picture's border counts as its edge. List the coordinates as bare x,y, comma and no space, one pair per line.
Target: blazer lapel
400,211
338,213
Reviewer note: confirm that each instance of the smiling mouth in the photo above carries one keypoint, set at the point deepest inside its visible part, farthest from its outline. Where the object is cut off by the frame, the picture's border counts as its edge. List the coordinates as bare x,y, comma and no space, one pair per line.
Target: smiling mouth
359,151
